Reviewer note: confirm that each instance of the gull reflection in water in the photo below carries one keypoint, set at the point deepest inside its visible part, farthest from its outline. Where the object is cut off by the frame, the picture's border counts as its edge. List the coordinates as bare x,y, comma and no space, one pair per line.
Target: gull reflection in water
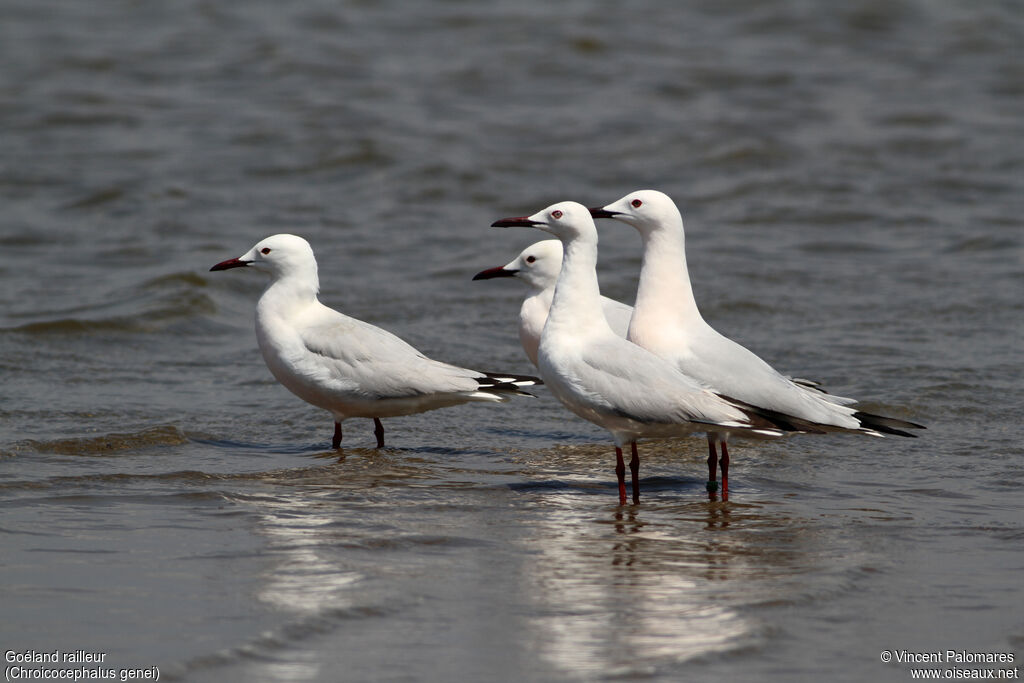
618,596
303,580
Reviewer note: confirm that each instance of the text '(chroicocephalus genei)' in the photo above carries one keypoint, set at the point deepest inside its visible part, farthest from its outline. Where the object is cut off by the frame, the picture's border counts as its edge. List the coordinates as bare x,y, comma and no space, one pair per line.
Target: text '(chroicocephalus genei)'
666,321
605,379
538,267
346,366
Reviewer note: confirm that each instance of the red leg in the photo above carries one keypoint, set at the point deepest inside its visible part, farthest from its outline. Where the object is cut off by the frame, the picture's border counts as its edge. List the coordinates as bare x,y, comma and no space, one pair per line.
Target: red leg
634,469
378,431
336,442
724,463
620,472
712,462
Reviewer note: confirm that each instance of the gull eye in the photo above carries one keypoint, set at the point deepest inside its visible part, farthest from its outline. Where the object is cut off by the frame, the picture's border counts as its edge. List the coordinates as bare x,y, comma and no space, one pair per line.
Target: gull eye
265,250
636,203
531,259
556,214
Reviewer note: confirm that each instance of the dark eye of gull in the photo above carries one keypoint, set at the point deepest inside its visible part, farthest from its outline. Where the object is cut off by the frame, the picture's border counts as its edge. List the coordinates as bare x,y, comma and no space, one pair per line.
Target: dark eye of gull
531,259
265,250
636,203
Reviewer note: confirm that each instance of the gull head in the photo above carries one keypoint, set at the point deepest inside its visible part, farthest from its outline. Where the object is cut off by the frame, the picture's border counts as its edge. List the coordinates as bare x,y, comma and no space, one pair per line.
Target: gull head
537,265
564,220
280,255
645,210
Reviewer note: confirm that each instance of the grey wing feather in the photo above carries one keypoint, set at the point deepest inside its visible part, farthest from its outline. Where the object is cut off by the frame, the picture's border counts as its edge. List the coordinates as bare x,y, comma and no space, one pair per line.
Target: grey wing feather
636,384
379,364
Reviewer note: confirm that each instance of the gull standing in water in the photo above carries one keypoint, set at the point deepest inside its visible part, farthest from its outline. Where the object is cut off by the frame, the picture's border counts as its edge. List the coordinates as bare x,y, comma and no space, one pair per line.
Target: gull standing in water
607,380
666,321
346,366
538,267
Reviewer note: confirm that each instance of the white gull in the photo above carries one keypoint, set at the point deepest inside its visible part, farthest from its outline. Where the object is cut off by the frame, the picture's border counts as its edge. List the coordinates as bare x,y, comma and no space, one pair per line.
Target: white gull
346,366
605,379
538,267
666,321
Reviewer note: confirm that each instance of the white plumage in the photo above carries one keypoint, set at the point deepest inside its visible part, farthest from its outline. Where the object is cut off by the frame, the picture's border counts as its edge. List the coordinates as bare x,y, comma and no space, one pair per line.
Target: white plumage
538,267
667,322
346,366
605,379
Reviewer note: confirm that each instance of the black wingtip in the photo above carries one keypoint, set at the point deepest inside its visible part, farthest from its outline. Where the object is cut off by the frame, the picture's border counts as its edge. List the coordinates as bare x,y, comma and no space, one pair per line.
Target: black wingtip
767,418
504,383
887,425
514,380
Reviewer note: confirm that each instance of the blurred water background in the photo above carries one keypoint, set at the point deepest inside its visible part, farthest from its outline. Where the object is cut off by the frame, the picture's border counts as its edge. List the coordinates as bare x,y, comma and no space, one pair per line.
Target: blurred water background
852,180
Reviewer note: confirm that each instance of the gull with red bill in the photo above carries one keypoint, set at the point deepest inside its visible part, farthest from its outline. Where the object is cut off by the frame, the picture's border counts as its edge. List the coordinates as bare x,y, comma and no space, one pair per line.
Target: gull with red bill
348,367
666,321
538,267
607,380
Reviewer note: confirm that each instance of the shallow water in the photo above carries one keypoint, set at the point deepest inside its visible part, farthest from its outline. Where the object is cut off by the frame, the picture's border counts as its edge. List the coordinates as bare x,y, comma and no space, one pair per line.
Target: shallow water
851,181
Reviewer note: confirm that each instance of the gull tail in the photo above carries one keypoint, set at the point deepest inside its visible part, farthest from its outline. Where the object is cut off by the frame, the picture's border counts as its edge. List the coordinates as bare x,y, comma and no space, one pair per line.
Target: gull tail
886,425
503,383
877,425
820,391
773,419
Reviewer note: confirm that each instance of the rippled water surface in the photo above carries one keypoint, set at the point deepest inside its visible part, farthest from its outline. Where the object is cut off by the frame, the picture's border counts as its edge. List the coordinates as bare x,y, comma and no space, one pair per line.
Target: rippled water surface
851,181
